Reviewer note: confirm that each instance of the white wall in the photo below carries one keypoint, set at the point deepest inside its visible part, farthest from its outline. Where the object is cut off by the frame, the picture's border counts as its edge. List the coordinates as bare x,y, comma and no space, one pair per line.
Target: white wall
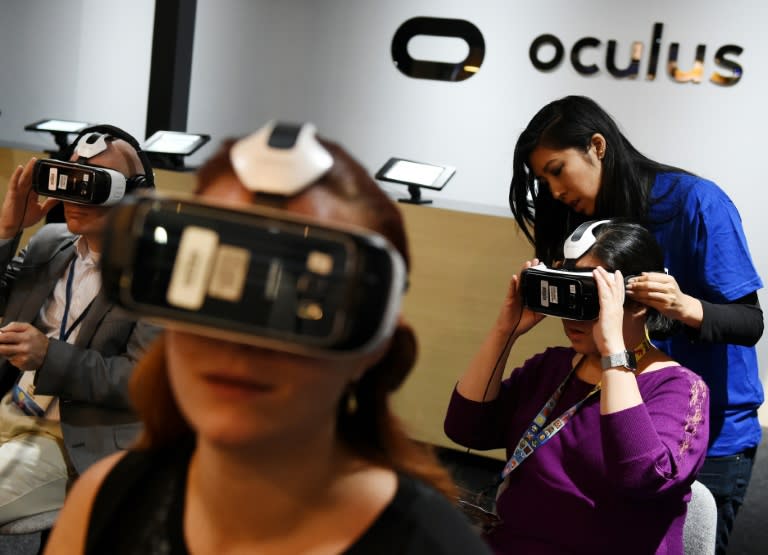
330,62
85,60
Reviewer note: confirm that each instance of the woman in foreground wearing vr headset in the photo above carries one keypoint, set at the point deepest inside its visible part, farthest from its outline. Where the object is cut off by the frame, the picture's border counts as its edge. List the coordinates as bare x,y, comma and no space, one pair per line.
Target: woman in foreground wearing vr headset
604,437
271,437
571,164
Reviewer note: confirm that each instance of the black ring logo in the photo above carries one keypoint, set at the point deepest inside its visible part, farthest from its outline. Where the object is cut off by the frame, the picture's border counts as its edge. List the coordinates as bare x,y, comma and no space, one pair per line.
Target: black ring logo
438,27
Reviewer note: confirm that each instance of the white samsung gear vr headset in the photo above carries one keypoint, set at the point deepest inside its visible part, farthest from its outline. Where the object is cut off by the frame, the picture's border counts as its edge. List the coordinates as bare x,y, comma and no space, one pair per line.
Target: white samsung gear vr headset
256,275
565,293
83,183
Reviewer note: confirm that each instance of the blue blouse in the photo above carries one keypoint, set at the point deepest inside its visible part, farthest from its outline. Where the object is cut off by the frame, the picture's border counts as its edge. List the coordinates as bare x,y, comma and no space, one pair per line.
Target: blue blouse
706,251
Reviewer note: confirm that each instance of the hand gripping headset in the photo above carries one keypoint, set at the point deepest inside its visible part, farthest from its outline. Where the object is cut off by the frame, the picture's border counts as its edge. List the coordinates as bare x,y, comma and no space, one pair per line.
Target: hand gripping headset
82,183
255,275
565,293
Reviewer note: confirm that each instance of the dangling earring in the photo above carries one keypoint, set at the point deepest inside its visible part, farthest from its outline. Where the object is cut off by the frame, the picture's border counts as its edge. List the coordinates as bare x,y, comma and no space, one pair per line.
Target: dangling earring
351,401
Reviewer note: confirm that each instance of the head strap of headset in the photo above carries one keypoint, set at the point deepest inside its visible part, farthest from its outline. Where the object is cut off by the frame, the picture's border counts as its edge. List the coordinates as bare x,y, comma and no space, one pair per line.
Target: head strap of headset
579,242
280,158
90,145
95,140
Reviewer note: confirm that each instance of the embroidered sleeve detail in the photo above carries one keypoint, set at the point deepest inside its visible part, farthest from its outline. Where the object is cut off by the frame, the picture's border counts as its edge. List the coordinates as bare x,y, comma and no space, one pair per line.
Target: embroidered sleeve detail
694,417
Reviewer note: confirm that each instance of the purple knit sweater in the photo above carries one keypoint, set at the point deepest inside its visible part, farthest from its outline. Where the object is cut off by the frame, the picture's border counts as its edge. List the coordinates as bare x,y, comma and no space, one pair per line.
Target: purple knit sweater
618,483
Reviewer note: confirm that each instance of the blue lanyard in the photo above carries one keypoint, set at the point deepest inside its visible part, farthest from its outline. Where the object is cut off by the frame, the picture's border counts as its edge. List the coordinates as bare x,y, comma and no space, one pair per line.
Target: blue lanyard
534,437
64,333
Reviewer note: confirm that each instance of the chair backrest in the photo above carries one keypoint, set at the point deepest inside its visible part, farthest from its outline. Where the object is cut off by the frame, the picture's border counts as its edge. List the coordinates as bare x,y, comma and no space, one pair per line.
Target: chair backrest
700,530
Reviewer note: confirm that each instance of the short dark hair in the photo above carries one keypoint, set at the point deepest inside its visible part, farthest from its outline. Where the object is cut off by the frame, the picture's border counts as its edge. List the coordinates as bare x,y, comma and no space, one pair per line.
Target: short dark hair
632,249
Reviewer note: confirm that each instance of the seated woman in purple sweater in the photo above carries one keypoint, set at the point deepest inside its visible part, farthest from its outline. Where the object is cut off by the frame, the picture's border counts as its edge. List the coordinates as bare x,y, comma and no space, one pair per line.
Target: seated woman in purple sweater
601,455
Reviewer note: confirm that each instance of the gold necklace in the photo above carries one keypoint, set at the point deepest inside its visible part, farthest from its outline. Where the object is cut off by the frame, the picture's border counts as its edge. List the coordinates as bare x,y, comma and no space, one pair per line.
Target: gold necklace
644,346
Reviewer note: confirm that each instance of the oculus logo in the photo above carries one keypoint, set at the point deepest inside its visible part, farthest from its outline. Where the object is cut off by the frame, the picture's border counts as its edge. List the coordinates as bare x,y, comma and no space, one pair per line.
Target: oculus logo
433,69
582,56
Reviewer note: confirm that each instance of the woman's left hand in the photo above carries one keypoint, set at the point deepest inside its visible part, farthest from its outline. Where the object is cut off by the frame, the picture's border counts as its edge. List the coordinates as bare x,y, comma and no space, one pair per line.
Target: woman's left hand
608,331
662,292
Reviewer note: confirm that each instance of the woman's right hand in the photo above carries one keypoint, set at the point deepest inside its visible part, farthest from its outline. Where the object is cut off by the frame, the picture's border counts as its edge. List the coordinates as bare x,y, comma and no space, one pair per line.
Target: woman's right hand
21,207
514,319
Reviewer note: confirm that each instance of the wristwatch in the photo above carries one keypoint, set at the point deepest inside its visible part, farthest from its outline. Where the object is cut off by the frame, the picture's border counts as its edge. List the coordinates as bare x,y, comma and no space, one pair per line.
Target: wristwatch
624,359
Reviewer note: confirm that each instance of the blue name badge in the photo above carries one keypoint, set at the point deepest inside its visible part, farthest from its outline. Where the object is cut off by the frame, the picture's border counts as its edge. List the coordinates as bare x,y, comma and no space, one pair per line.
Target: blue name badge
24,398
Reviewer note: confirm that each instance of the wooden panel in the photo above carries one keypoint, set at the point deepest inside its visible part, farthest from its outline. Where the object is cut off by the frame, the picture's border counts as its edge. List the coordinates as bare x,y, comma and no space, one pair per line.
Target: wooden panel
462,263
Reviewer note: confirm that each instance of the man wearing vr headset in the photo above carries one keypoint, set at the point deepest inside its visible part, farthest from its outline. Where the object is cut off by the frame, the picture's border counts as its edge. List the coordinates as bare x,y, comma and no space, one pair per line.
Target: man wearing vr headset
66,351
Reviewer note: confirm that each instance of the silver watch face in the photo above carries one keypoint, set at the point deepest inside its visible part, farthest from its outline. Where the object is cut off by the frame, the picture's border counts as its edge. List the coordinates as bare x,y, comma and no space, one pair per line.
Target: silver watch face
615,360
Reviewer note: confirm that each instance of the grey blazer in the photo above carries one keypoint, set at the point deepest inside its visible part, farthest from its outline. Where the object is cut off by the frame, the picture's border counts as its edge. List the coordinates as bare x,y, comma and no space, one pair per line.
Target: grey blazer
90,377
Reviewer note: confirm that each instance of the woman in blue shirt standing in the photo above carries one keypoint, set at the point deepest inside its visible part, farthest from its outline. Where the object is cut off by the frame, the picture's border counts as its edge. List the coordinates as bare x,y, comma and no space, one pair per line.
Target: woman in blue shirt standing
572,164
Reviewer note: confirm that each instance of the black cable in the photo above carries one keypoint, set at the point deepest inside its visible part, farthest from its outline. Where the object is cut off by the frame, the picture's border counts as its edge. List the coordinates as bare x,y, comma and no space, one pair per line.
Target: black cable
507,346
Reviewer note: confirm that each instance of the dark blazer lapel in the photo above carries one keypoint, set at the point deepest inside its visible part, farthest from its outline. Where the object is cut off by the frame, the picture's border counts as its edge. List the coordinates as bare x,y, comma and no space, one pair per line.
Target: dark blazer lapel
96,313
49,276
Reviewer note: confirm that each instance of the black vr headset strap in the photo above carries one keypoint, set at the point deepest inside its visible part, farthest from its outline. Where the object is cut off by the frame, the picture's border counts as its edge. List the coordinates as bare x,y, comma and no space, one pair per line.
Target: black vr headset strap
147,180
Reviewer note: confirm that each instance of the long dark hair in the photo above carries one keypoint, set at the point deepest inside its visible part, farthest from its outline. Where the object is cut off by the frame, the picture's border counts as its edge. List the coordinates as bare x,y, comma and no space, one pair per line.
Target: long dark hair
632,249
628,175
372,430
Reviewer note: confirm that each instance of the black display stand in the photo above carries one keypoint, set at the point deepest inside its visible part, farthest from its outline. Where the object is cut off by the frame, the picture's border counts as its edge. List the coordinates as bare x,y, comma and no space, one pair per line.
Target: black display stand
415,197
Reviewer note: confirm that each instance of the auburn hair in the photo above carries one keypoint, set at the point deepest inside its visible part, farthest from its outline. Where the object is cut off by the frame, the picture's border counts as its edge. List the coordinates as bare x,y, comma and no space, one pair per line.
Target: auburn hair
372,431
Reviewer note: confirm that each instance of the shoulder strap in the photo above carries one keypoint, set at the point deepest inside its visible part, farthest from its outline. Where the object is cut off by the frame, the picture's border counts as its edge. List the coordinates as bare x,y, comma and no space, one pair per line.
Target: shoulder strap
140,503
123,477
